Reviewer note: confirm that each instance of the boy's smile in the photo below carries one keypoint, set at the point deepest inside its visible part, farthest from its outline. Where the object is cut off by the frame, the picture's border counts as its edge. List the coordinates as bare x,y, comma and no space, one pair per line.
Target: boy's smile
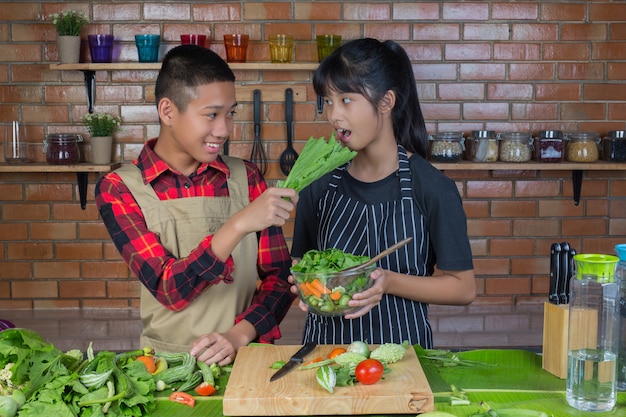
196,135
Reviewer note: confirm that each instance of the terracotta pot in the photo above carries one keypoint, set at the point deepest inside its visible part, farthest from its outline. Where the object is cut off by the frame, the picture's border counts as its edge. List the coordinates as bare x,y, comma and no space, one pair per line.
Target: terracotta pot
101,149
69,49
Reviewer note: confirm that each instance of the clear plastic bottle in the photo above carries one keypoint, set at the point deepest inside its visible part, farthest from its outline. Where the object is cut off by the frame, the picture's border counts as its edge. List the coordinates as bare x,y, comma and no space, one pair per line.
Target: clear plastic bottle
593,339
620,275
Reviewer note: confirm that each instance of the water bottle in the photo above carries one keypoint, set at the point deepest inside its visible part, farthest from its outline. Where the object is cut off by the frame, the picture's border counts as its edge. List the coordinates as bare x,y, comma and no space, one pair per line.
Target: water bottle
593,337
620,275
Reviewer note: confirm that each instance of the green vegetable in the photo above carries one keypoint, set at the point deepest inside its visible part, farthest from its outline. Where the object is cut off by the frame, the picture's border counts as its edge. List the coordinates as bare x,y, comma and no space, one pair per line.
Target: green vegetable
193,380
207,373
184,365
349,359
277,364
506,412
445,358
327,261
390,352
359,347
326,378
8,407
318,157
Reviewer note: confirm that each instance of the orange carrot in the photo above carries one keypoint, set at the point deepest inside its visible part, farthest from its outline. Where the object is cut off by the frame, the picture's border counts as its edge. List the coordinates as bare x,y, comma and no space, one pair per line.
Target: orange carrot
305,289
335,295
312,361
316,283
314,291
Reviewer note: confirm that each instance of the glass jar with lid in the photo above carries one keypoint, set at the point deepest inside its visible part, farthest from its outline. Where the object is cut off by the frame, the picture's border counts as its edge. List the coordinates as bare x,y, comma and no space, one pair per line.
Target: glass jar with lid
482,146
62,148
549,146
446,147
515,146
614,146
582,147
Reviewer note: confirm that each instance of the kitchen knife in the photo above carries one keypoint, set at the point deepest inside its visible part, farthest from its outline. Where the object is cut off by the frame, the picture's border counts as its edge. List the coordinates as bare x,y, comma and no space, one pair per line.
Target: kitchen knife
572,271
294,362
555,267
565,273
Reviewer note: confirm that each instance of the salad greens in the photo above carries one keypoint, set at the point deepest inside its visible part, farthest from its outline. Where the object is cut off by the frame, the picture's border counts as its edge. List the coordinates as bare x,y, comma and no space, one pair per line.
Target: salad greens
327,261
50,380
318,157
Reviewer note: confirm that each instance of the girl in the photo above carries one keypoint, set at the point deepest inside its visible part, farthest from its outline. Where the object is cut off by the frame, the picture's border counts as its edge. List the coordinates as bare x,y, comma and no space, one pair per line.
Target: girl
386,193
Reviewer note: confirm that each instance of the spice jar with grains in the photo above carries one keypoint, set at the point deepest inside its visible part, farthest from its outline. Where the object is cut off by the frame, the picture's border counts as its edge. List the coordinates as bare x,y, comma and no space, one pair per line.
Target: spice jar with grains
62,148
549,146
582,147
614,146
446,147
515,146
482,146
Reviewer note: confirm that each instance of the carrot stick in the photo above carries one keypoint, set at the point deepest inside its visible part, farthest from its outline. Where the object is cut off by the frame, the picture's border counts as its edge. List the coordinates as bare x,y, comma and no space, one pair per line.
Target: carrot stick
305,289
316,283
313,290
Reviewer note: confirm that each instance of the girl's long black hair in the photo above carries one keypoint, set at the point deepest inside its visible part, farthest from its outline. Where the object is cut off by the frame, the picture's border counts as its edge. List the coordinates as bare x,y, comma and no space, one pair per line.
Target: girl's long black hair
371,68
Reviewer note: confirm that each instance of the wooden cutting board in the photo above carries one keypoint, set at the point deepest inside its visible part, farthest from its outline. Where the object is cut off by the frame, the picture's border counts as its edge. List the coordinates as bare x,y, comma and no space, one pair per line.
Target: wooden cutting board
249,392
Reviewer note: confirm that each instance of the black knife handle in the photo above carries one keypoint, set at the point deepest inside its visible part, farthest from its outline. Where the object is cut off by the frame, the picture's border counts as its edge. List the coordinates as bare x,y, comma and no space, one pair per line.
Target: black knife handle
565,273
303,351
555,267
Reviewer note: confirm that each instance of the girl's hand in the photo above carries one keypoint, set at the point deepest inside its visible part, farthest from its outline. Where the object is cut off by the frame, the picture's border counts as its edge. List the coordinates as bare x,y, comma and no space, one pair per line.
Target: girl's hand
369,298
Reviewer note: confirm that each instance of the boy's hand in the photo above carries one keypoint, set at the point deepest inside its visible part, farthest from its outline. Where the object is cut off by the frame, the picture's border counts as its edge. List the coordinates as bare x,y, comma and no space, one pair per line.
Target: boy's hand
272,208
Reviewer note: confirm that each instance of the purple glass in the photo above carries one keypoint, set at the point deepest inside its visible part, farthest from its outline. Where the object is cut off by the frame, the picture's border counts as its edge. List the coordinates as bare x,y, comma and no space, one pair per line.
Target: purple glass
101,47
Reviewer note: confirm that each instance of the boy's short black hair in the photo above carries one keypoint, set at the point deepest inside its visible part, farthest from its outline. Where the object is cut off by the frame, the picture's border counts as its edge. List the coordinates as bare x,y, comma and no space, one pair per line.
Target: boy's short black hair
187,67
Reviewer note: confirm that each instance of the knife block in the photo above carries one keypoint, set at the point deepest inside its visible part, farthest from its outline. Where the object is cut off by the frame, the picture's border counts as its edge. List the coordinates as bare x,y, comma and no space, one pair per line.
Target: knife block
556,320
555,329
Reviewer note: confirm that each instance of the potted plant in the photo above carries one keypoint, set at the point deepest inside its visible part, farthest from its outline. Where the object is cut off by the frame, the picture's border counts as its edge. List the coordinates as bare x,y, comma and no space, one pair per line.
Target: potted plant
101,127
68,25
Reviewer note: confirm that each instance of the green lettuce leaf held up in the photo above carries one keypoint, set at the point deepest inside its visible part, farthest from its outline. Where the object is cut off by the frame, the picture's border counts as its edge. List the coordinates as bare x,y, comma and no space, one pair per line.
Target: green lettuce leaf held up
318,157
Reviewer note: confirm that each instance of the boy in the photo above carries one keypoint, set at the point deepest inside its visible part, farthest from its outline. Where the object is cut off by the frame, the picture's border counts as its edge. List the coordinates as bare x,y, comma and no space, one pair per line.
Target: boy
198,228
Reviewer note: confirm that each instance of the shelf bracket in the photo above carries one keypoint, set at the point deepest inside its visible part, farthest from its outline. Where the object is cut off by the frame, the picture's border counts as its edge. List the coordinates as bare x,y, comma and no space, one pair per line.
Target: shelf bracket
82,188
90,87
577,182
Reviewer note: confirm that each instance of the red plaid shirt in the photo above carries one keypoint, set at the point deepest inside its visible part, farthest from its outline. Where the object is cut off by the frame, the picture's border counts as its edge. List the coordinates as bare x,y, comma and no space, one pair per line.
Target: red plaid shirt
176,282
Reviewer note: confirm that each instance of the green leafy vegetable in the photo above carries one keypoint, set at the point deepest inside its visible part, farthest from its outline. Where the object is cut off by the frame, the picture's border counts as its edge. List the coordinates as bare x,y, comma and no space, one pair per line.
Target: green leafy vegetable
318,157
328,260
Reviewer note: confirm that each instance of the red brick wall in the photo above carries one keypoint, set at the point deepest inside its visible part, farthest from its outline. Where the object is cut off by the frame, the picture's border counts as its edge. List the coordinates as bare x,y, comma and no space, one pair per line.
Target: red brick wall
503,66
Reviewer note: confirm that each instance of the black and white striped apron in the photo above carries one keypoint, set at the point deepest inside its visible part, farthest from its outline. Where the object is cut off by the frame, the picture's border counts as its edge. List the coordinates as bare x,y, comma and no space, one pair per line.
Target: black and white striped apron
365,229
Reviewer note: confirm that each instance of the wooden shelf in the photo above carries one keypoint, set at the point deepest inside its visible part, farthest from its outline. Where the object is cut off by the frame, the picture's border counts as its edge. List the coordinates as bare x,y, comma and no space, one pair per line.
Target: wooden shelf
247,66
530,166
89,71
82,170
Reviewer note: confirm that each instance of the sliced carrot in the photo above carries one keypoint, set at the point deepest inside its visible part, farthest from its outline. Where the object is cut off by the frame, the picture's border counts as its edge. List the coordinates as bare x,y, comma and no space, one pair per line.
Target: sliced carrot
336,352
312,361
305,289
335,295
314,290
320,287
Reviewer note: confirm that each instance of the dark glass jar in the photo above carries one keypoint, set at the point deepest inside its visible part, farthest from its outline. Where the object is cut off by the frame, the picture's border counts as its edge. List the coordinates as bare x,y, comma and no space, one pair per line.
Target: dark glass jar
614,146
582,147
62,148
549,146
482,146
446,147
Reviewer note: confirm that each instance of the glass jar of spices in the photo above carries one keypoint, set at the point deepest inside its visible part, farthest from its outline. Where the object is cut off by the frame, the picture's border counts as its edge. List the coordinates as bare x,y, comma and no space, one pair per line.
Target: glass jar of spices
549,146
614,146
582,147
62,148
515,146
482,146
446,147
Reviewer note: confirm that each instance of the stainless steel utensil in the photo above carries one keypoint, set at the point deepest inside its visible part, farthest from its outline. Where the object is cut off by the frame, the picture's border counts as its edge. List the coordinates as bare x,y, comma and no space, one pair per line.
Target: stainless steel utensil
289,155
294,362
381,255
258,153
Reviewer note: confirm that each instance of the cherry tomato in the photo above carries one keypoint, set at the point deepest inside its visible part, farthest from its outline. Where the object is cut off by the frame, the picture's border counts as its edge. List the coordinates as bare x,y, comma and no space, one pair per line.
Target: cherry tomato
369,371
336,352
183,398
149,362
205,389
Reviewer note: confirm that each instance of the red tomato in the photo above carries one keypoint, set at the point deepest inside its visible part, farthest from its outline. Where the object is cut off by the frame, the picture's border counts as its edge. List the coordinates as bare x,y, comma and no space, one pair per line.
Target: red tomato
369,371
205,389
183,398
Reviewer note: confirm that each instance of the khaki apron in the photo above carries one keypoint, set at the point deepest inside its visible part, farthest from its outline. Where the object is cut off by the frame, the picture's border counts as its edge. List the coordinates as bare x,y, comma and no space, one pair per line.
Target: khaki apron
181,225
